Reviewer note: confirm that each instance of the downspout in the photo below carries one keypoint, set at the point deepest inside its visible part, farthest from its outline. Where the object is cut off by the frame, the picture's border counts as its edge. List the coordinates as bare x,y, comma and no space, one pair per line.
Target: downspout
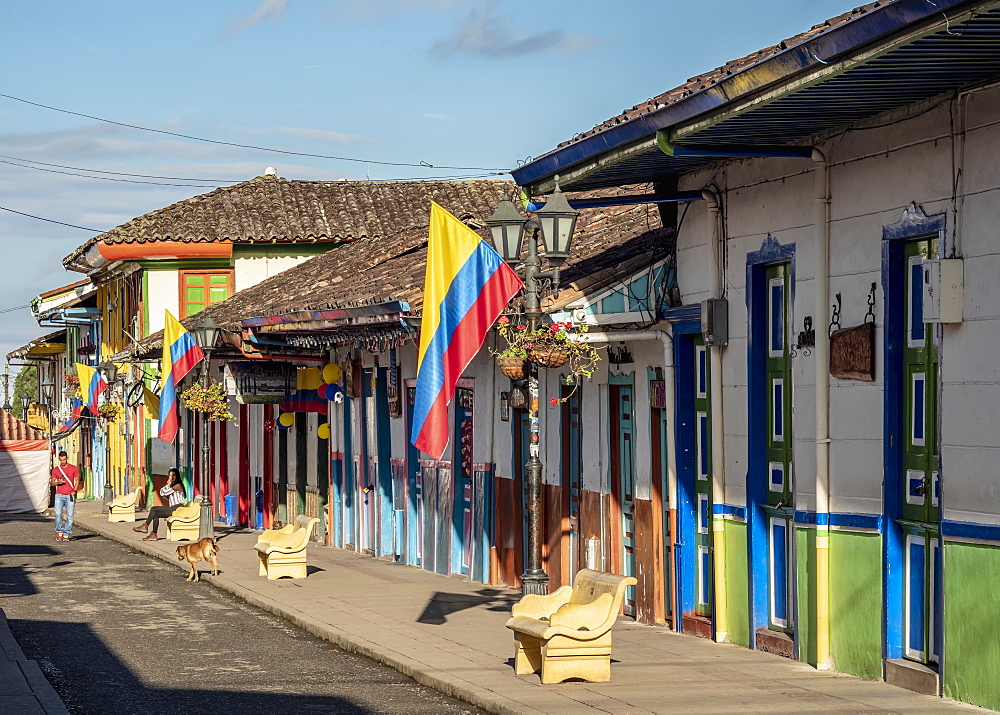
718,454
669,396
822,352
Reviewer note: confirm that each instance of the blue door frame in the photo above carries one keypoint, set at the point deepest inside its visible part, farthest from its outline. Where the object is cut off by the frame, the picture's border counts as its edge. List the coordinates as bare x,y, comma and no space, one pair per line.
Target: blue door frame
912,225
413,534
685,556
385,529
757,478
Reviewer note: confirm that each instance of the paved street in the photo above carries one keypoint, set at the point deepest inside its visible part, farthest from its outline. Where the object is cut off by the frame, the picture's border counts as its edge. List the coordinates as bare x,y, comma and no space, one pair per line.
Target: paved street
117,631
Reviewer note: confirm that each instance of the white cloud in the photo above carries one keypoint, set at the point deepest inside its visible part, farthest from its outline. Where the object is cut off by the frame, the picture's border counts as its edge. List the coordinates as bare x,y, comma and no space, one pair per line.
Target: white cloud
266,10
489,34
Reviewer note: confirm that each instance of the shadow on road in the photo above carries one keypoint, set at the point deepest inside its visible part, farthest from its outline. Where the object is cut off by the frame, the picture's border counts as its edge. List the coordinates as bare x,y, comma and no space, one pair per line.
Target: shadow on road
120,690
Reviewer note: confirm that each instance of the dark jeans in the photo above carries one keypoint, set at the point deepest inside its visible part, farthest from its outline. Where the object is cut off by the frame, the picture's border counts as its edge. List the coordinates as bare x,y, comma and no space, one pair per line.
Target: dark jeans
157,513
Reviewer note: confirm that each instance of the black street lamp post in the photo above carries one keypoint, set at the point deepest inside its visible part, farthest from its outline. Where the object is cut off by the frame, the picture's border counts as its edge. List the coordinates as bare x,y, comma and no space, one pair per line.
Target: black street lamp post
206,332
25,401
556,221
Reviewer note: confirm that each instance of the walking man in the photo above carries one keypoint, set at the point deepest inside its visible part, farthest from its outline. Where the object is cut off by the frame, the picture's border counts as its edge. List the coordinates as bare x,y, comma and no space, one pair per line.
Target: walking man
65,478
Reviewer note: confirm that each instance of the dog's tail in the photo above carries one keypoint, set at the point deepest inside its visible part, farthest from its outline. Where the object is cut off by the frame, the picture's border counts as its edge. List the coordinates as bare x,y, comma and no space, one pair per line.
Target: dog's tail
215,546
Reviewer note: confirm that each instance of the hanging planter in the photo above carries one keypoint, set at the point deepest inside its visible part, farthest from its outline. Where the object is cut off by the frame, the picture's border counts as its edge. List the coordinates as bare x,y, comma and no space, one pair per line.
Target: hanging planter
514,367
553,346
209,399
549,355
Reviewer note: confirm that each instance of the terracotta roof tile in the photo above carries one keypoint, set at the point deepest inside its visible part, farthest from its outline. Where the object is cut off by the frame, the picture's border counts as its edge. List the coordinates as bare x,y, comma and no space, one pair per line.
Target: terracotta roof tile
11,428
268,209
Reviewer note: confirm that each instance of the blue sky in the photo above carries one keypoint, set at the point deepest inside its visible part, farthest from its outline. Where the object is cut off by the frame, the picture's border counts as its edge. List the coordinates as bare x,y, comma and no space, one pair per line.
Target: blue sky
462,83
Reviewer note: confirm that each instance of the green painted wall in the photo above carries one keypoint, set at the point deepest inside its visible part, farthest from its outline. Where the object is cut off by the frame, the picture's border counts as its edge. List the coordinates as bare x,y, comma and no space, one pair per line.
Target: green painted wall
971,626
805,574
856,603
737,596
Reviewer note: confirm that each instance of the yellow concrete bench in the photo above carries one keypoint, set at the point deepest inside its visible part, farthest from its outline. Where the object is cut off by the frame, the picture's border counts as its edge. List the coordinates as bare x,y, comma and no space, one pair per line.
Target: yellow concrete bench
184,523
567,634
282,552
123,508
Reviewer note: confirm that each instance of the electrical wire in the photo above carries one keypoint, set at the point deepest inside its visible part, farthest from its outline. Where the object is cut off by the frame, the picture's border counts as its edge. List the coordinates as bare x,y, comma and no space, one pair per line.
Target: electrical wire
104,178
16,307
50,220
118,173
246,146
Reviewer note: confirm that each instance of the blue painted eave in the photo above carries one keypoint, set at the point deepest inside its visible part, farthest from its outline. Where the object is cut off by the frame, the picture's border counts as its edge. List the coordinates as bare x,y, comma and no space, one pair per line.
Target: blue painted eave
811,54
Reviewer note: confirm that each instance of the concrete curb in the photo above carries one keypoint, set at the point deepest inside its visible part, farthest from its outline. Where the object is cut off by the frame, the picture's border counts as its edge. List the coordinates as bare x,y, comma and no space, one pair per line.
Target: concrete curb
42,690
436,679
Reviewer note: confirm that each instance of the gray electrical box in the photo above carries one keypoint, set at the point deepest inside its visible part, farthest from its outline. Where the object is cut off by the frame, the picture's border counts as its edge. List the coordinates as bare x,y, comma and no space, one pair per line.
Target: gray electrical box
715,321
944,290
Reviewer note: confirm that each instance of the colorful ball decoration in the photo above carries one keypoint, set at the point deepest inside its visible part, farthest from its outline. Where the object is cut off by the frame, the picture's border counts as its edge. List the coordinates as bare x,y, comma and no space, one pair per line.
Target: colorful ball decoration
331,373
335,393
323,431
321,390
286,420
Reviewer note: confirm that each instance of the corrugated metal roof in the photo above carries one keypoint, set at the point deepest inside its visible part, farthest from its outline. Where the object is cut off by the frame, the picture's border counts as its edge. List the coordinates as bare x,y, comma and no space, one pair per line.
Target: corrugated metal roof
953,52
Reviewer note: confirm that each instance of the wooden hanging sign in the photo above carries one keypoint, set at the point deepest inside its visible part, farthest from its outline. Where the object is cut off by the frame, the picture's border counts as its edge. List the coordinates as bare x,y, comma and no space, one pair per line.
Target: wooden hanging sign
852,353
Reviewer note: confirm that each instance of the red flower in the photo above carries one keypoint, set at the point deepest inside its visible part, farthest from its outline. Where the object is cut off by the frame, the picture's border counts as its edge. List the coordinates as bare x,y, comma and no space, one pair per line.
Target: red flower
522,327
504,320
555,327
553,400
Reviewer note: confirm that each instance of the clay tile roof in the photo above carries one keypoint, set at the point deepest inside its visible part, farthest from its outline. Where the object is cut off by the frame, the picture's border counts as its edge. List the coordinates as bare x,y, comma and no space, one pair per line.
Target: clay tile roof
703,81
11,428
272,209
377,272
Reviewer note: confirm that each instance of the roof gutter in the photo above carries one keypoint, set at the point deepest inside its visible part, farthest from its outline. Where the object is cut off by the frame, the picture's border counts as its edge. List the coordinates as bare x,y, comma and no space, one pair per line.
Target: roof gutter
814,53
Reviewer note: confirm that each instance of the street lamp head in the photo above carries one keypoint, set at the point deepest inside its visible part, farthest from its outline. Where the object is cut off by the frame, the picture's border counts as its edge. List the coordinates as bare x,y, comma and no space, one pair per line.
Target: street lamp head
48,389
507,230
25,401
206,332
109,370
558,221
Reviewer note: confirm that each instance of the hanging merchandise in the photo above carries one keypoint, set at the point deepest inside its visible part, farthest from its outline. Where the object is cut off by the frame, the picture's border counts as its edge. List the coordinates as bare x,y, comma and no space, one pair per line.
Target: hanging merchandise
286,420
323,431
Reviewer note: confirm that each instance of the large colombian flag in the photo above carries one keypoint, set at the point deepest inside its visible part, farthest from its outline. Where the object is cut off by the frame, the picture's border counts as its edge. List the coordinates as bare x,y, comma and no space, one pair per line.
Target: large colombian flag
91,386
467,285
180,354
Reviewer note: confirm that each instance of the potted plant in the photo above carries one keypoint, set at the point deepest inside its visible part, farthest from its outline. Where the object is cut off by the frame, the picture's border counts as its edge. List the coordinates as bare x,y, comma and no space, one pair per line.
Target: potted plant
71,381
110,411
210,399
554,345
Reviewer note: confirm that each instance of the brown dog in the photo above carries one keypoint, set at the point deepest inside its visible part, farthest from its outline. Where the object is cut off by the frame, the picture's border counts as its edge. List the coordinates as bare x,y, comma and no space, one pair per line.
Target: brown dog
204,549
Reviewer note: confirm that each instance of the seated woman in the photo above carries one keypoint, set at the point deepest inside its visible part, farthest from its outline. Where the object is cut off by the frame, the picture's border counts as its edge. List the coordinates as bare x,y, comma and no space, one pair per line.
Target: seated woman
173,492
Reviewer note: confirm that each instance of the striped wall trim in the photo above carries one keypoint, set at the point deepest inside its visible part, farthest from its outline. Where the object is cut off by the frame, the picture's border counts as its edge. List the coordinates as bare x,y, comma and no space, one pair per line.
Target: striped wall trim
970,531
728,511
841,522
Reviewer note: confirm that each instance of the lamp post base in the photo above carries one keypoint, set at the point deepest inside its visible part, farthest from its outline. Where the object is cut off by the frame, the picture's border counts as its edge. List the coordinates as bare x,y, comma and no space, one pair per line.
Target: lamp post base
109,496
206,530
534,583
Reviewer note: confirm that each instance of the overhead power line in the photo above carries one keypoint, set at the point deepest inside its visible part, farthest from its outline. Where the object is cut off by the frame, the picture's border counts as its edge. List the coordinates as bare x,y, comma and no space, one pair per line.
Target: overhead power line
105,178
50,220
118,173
247,146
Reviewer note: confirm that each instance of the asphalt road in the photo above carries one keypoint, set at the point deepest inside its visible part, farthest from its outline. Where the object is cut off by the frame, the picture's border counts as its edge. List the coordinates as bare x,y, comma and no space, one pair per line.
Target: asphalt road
117,631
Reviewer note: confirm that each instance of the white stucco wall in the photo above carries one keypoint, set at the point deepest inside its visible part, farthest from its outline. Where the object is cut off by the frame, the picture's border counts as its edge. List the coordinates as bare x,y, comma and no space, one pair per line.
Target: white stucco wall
162,294
252,268
874,176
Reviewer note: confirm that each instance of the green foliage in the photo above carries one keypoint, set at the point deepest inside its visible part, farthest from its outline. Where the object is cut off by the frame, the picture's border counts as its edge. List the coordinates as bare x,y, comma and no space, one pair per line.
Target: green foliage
210,399
25,382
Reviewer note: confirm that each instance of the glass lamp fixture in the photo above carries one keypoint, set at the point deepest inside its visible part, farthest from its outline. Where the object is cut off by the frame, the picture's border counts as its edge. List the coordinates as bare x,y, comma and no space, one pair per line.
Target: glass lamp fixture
48,391
507,230
558,221
206,332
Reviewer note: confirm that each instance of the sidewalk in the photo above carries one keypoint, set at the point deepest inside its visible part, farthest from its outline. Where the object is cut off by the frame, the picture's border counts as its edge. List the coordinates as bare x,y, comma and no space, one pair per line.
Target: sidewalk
449,634
23,687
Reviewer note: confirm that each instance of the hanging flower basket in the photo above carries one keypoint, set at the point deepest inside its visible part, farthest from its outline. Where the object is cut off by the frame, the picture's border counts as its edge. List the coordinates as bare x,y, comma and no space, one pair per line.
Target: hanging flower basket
549,356
516,368
553,346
